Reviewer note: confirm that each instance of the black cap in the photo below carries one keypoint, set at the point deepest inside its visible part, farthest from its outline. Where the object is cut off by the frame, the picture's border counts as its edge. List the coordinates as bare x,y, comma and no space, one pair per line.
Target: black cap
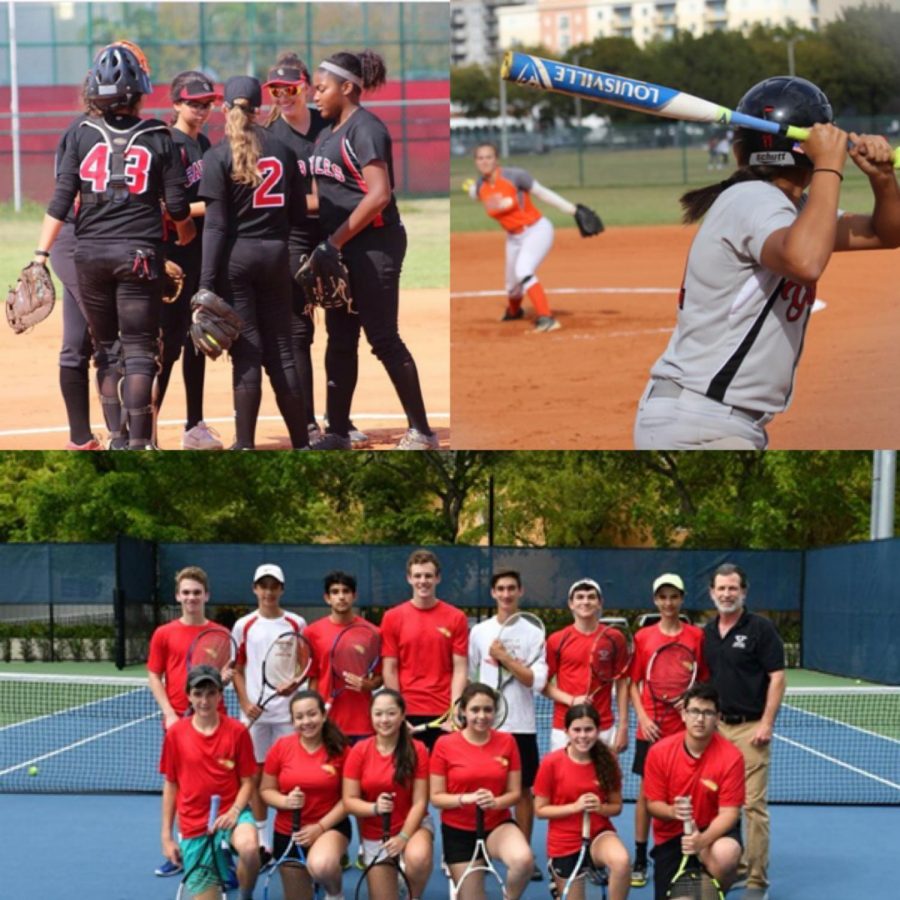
285,75
201,675
243,87
198,89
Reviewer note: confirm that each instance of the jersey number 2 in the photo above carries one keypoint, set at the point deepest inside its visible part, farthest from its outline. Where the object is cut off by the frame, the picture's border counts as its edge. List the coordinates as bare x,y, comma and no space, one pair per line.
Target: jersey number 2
95,168
271,169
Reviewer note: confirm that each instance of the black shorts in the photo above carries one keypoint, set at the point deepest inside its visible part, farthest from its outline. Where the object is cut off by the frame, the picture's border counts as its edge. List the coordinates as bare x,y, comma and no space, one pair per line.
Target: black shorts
430,735
563,866
459,844
528,753
640,755
667,859
280,841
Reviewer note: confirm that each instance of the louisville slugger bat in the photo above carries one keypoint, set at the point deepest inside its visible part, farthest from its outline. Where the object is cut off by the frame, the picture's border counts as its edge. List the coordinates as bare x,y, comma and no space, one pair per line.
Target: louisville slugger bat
629,93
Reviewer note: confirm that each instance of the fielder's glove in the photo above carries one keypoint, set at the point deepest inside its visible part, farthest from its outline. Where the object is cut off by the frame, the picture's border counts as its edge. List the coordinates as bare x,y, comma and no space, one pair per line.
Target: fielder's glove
325,279
32,299
215,326
588,221
173,281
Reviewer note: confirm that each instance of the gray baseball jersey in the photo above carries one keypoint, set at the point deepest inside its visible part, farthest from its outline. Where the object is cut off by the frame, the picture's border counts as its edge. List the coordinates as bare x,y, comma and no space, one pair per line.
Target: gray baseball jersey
740,327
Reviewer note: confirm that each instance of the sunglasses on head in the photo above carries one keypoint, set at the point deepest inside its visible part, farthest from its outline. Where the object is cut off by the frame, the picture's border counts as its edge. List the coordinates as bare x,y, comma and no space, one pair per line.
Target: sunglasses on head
284,90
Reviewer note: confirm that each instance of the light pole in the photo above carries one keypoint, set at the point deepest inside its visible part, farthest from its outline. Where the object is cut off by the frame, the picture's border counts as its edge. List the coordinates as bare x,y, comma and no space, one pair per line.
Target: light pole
790,52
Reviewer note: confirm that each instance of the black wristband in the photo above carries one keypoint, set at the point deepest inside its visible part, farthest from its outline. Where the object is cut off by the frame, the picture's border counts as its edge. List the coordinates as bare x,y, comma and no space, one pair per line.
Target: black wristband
835,171
44,253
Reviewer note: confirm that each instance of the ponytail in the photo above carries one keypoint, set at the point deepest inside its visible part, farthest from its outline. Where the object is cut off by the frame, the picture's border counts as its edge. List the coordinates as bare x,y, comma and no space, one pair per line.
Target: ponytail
241,134
696,203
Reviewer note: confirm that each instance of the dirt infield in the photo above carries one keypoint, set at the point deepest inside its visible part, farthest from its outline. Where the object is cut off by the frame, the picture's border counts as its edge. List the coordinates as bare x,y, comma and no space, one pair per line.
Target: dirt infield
615,297
32,416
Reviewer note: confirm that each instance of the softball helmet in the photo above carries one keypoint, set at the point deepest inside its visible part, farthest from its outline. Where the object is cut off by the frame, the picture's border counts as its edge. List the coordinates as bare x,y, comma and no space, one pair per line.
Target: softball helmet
117,76
788,101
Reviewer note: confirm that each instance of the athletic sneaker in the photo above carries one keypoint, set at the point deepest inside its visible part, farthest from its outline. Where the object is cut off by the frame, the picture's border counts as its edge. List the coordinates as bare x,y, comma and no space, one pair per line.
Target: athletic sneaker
315,433
92,444
546,323
536,873
359,440
201,437
510,315
415,440
166,869
332,441
117,442
639,875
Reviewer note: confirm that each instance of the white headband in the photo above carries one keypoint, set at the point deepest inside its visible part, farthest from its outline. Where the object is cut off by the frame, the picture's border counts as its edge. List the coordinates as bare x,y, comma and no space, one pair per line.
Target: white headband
337,70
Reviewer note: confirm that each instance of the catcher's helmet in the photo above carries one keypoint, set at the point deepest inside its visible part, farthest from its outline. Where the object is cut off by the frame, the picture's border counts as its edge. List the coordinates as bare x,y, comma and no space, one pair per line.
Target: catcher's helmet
117,77
788,101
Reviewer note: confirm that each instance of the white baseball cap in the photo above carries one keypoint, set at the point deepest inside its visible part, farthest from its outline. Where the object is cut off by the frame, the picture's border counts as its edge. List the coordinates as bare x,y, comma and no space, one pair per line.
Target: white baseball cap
670,579
585,583
269,569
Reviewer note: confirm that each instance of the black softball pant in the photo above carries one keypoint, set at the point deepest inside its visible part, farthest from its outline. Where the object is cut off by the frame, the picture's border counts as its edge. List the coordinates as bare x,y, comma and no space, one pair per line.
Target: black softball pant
374,259
303,325
76,349
122,304
256,282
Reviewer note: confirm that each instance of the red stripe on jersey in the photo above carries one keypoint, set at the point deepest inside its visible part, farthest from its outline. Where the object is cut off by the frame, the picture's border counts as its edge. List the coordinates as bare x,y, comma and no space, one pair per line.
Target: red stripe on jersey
378,221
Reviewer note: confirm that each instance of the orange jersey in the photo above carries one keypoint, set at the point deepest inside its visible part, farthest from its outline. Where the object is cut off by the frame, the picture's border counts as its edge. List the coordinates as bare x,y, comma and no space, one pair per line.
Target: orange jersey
506,197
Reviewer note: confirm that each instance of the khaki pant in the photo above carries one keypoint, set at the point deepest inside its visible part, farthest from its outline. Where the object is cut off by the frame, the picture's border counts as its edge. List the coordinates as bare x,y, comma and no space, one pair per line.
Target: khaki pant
755,859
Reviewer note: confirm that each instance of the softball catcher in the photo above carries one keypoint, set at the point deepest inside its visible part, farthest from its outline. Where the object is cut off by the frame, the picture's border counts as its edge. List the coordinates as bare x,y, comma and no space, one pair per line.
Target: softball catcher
123,167
506,195
750,281
354,171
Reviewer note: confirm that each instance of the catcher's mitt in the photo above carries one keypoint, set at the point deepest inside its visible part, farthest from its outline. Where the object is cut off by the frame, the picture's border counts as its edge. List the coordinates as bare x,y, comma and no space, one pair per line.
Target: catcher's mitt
588,221
215,326
32,299
174,281
324,278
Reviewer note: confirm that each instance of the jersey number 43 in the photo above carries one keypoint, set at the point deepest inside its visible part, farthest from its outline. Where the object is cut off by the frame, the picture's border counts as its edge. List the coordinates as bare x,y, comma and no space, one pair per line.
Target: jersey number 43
95,168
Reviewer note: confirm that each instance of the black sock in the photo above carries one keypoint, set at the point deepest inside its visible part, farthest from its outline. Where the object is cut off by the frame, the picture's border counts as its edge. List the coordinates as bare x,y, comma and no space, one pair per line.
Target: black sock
246,412
293,410
640,852
193,370
342,371
76,395
405,378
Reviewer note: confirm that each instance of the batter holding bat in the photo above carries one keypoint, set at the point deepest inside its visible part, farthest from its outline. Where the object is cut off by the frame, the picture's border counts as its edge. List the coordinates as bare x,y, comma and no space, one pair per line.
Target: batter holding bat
506,193
768,233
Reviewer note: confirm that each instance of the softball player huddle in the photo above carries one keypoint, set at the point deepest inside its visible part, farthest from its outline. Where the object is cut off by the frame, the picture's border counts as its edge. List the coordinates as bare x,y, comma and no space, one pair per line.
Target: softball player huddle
238,219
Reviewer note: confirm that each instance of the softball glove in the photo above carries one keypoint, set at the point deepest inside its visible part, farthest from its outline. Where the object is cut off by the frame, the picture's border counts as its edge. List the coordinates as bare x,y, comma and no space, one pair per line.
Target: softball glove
588,221
32,299
325,279
215,326
173,281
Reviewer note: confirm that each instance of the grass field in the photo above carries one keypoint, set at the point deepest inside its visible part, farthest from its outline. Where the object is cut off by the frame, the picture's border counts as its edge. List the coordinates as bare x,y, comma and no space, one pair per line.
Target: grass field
626,187
427,263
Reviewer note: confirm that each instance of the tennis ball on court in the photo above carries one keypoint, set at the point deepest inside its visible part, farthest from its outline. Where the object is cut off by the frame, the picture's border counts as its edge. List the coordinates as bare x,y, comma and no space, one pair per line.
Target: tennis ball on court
32,770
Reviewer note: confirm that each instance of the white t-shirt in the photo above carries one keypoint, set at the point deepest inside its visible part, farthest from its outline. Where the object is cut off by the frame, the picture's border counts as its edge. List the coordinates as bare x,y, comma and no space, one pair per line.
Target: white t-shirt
254,635
740,327
483,668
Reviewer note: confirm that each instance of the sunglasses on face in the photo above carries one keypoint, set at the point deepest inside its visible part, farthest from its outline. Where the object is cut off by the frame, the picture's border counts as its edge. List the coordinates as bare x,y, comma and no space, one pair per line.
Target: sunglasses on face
200,105
285,90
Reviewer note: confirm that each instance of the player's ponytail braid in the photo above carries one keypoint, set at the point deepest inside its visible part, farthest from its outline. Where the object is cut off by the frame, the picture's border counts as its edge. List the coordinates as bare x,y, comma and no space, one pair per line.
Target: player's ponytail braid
696,203
241,134
372,69
604,761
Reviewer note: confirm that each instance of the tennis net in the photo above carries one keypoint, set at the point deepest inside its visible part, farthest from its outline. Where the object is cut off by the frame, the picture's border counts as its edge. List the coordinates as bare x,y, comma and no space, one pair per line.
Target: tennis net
92,735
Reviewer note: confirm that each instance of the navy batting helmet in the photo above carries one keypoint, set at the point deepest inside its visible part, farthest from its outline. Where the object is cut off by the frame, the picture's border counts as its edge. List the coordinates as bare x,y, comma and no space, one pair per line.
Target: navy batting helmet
117,77
788,101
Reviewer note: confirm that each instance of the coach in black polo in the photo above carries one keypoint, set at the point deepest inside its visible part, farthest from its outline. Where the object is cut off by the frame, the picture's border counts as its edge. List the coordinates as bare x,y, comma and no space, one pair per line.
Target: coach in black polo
745,656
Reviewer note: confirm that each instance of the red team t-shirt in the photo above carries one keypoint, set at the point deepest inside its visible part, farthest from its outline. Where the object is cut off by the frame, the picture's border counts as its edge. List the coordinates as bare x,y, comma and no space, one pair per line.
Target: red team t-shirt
169,646
568,658
350,711
375,774
202,765
714,780
424,642
561,780
646,642
314,773
467,767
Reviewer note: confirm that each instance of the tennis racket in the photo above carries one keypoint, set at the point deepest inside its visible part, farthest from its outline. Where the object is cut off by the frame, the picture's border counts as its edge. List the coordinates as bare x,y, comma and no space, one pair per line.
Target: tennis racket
294,856
524,637
671,671
480,872
284,668
371,885
355,651
450,715
692,881
212,647
610,656
205,874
